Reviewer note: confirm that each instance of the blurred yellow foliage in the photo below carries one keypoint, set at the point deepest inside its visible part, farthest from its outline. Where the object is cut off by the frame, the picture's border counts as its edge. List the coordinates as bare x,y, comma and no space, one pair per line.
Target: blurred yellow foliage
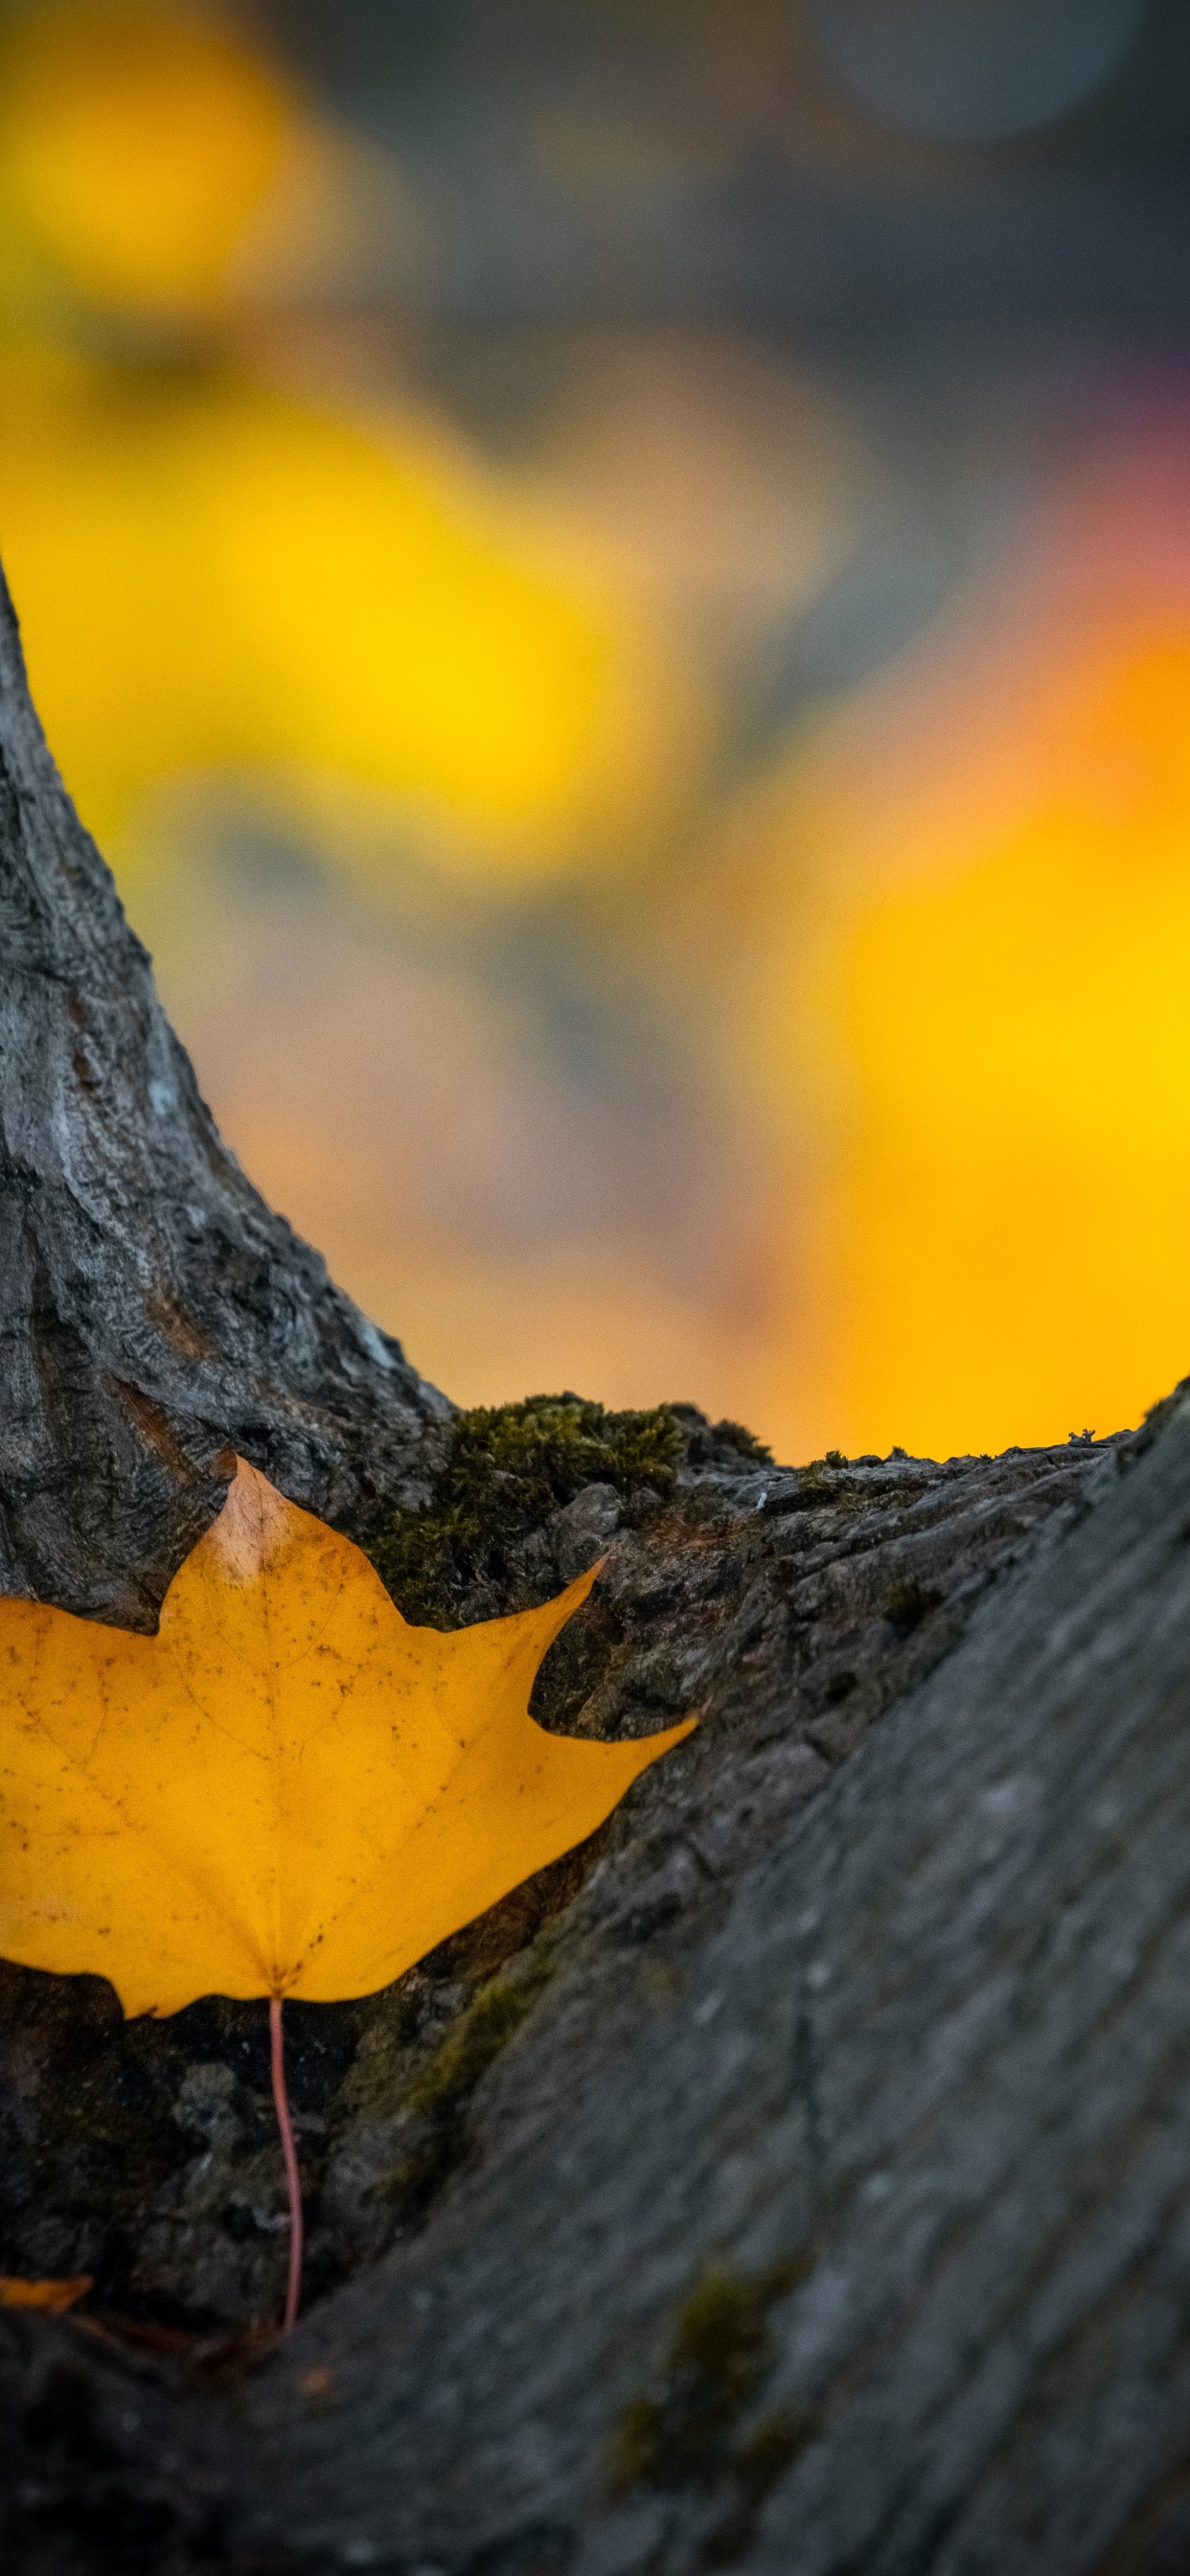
214,575
994,1032
136,138
929,971
211,575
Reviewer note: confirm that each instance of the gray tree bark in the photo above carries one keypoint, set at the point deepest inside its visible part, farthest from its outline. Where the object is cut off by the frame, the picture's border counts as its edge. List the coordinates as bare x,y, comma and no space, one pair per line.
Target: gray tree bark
824,2210
154,1313
798,2178
863,2244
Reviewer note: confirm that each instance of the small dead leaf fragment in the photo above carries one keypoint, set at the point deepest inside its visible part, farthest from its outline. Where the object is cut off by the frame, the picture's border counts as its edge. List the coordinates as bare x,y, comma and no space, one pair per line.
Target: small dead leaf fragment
287,1791
54,2297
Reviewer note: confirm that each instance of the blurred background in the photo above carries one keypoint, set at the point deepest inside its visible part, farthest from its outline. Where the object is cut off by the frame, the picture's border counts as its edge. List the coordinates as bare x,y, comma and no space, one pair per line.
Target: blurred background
613,579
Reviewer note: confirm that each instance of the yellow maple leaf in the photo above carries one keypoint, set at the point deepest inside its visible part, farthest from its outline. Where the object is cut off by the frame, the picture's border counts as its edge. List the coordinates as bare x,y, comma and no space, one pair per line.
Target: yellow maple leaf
52,2297
287,1791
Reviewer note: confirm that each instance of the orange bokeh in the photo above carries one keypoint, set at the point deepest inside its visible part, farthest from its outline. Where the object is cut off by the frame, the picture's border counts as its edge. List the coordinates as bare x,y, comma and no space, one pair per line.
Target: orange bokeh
991,1018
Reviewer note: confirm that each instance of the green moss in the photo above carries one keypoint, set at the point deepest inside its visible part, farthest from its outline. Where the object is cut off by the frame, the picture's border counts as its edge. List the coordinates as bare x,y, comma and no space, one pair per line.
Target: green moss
508,1467
756,2467
719,2337
476,2040
439,2097
815,1468
735,1435
638,2451
684,2434
770,2450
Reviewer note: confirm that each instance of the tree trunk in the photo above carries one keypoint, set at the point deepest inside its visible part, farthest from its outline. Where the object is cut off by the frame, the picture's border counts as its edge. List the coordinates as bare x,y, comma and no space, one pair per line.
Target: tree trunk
824,2211
859,2241
796,2178
156,1314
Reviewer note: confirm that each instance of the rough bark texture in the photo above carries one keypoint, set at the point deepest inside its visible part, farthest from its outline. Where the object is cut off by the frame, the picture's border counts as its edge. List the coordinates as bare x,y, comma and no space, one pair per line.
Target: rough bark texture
146,2152
794,2180
797,2178
154,1312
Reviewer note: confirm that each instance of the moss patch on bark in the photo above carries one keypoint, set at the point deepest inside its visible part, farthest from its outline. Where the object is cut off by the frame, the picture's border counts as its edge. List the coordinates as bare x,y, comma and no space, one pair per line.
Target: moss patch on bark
507,1469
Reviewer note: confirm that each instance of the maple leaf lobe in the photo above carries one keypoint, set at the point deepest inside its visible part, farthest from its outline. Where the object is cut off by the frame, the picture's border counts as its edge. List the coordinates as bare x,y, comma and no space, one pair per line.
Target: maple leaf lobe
289,1790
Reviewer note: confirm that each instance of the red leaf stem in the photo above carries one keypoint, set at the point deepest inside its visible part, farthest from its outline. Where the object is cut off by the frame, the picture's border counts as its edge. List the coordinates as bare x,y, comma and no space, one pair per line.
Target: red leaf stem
289,2151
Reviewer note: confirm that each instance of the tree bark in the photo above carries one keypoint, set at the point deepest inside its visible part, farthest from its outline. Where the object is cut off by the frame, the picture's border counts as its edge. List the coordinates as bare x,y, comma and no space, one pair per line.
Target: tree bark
797,2178
155,1314
826,2213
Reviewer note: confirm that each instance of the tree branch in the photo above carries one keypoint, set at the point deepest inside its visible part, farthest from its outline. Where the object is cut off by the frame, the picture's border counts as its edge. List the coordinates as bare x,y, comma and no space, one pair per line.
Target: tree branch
154,1313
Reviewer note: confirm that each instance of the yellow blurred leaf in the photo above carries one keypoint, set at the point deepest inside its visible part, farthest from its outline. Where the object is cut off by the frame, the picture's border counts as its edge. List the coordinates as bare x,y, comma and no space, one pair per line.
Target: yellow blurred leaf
52,2296
288,1791
137,137
335,609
